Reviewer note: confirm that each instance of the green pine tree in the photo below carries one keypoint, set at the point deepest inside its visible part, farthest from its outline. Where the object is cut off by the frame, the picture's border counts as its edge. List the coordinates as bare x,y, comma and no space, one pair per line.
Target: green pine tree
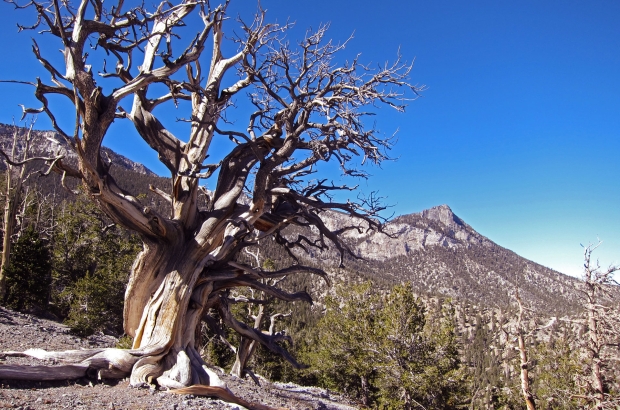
557,363
382,350
92,261
28,275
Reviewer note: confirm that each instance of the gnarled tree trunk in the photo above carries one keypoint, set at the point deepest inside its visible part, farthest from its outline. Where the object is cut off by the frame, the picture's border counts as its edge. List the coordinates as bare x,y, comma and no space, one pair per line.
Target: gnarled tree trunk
307,110
162,316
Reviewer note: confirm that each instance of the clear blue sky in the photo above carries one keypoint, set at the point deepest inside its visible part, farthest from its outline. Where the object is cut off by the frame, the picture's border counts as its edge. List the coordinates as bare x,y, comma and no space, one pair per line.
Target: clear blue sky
518,132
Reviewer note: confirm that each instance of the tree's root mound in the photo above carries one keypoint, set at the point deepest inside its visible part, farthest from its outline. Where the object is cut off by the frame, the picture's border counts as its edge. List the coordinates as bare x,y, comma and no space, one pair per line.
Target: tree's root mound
104,364
224,394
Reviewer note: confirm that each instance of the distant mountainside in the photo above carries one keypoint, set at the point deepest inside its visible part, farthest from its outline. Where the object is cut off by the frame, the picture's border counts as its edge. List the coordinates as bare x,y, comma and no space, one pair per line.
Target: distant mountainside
50,142
131,176
442,255
434,249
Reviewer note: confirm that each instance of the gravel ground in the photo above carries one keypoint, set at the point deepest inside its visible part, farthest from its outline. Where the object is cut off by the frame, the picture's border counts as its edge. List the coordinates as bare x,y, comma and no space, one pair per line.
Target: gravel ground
19,332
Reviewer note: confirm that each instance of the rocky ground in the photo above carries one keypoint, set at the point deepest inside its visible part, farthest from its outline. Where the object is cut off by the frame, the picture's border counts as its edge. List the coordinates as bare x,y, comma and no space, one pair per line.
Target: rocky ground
19,332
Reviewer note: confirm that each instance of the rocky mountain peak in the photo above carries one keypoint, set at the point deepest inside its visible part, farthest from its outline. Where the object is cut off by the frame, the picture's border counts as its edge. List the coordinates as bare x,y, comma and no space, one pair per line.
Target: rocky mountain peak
445,216
440,253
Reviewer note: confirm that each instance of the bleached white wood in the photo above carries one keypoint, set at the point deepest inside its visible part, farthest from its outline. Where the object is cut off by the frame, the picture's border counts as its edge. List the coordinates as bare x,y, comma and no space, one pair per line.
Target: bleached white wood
43,373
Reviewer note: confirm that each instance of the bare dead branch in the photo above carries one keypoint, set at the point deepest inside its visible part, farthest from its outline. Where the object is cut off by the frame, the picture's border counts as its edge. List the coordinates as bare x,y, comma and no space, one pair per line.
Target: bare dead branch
269,341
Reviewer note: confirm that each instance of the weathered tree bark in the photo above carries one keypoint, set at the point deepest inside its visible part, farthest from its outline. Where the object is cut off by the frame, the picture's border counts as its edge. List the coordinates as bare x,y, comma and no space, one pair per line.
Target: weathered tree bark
524,365
602,323
365,391
246,347
307,110
595,360
224,395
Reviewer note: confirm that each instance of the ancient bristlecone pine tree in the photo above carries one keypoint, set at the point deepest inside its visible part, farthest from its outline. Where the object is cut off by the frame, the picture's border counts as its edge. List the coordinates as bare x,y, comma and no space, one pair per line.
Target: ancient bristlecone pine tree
307,109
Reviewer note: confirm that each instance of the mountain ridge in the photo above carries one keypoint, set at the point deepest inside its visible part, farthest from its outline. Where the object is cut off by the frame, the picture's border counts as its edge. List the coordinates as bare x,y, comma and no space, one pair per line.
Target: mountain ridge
441,254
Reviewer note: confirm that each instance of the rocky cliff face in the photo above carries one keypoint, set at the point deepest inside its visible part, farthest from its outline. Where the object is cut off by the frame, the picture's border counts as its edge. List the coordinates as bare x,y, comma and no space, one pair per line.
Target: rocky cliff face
51,143
433,227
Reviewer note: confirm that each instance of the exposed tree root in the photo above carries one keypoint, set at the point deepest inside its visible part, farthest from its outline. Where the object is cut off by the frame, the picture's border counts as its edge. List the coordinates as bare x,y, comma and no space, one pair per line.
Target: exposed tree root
224,394
117,364
112,363
102,363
